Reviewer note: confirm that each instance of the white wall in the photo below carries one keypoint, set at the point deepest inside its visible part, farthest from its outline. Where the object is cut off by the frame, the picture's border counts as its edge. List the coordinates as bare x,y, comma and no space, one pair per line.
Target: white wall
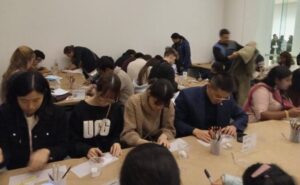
285,25
250,20
108,27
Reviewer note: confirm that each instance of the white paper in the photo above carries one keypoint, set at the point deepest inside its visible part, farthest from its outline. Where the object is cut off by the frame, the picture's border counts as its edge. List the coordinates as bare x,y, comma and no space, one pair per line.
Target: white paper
84,168
203,143
78,71
35,177
113,182
174,97
178,144
53,77
249,142
59,92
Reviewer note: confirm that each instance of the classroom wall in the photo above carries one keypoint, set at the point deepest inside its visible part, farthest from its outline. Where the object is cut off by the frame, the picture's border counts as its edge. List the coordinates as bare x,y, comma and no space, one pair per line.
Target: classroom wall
108,27
250,20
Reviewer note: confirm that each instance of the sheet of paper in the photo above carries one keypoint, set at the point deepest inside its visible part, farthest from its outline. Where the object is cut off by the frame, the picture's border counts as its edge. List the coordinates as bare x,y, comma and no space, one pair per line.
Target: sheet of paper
59,92
203,143
84,168
249,142
35,177
53,77
78,71
177,144
113,182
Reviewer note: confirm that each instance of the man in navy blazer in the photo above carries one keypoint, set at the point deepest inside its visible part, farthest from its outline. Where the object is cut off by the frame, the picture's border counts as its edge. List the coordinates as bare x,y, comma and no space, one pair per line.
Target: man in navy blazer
200,108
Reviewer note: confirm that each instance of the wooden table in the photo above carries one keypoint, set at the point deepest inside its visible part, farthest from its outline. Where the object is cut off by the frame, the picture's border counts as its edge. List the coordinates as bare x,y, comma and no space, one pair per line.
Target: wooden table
271,147
65,84
189,82
206,66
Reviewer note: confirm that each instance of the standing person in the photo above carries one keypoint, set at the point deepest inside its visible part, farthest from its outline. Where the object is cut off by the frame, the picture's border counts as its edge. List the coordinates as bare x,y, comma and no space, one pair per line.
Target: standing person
21,60
289,44
81,57
182,46
224,50
298,59
97,122
274,46
33,131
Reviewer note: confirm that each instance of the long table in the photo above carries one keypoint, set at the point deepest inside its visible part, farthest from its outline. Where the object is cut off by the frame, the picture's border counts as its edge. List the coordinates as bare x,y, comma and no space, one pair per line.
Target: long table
271,147
65,84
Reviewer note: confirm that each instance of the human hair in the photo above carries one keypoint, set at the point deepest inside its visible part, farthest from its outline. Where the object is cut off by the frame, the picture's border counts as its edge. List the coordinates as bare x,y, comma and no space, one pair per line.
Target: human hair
217,68
296,81
177,36
288,59
139,55
23,83
162,90
150,164
105,62
39,54
170,51
68,49
158,57
224,82
223,31
109,83
266,174
276,73
129,52
19,61
147,57
163,70
143,74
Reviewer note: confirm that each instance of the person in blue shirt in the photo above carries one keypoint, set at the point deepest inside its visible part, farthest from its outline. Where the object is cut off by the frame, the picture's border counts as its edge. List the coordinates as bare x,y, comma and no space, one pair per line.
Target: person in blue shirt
182,46
224,50
199,108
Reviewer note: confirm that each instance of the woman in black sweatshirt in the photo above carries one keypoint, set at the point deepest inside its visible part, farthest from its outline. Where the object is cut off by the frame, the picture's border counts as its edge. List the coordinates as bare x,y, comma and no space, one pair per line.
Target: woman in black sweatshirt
96,123
33,131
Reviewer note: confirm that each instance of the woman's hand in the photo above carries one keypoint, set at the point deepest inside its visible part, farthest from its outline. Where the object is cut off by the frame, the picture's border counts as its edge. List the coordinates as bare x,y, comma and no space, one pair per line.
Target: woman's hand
94,152
116,150
163,140
1,156
38,159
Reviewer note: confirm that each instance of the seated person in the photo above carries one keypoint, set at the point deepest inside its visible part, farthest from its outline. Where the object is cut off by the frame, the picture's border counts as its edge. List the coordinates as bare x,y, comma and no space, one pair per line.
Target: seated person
258,174
286,59
141,83
162,170
294,90
39,57
98,121
106,65
267,100
149,116
200,108
125,56
83,58
33,131
163,70
21,60
135,66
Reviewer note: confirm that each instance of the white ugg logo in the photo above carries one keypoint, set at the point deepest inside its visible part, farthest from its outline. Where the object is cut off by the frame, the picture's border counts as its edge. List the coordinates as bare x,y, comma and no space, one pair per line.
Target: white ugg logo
93,128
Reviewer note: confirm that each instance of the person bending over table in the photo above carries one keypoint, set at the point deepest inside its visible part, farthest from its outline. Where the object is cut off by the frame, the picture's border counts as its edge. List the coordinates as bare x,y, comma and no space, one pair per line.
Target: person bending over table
200,108
149,116
96,123
33,131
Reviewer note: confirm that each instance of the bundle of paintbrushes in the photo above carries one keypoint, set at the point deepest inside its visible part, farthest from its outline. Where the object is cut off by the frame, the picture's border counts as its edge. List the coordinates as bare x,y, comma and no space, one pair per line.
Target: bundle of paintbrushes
215,133
295,131
215,145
